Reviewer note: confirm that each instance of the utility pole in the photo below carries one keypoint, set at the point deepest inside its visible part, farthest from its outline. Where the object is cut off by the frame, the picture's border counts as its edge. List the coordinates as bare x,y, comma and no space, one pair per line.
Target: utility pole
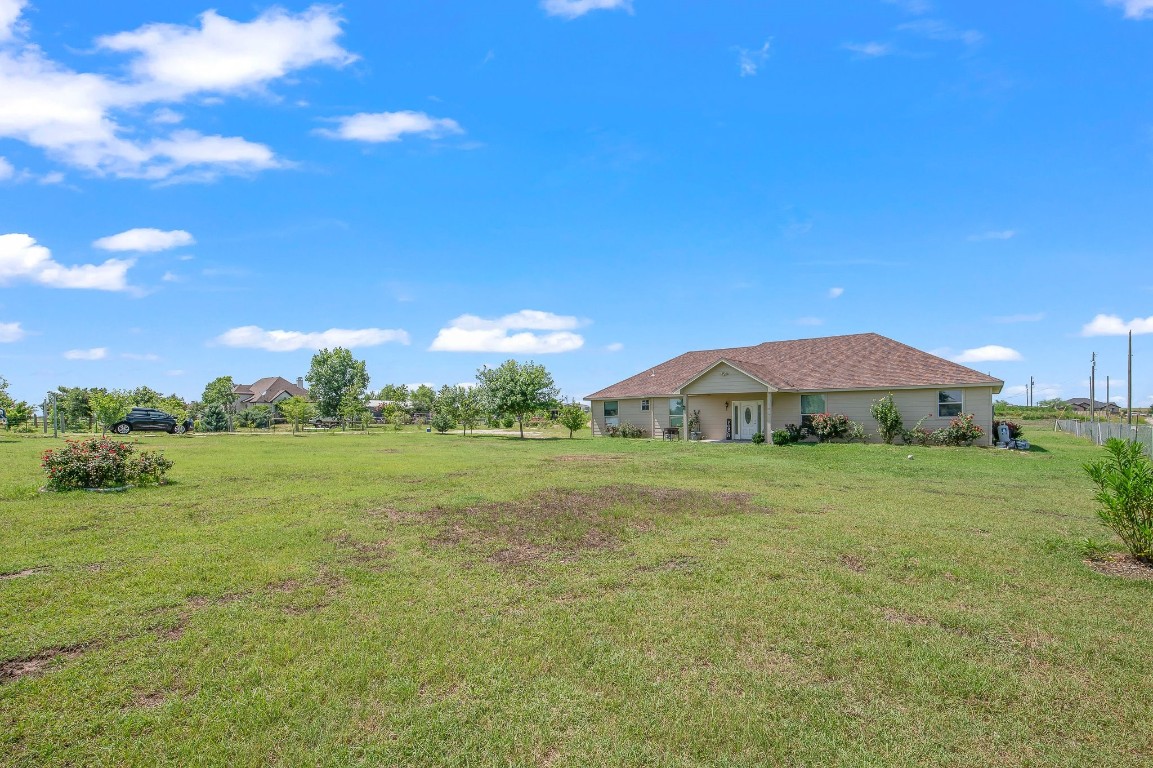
1129,389
1032,383
1107,399
1093,390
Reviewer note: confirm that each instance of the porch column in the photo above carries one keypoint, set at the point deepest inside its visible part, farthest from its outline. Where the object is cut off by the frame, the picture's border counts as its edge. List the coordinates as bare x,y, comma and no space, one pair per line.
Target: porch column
684,417
767,427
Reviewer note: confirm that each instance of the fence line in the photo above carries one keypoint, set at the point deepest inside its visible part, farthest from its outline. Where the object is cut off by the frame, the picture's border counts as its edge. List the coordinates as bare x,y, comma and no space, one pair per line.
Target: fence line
1099,432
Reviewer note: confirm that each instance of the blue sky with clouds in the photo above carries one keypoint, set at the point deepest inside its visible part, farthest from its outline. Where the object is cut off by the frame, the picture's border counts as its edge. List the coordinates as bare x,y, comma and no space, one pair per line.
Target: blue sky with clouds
596,184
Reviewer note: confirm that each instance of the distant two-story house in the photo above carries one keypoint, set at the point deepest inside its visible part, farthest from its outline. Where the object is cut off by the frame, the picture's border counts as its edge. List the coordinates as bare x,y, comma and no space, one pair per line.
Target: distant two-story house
267,391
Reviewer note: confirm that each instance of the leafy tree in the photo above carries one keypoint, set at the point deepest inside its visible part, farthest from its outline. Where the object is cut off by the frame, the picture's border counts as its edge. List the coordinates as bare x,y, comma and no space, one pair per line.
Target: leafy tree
518,389
333,376
109,407
443,420
470,406
1052,402
394,393
246,419
18,412
215,418
421,399
354,407
573,418
75,408
262,416
218,392
175,405
145,397
297,410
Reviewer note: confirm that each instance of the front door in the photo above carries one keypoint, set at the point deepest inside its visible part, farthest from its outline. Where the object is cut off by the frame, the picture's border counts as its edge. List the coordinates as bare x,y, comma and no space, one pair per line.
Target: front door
746,419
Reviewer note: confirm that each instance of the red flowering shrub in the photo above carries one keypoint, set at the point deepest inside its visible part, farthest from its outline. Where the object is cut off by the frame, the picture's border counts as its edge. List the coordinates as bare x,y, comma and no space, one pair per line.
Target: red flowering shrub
99,462
830,426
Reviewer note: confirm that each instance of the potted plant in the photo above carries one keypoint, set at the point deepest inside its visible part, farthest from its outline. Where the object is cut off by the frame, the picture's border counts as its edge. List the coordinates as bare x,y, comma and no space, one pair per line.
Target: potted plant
695,425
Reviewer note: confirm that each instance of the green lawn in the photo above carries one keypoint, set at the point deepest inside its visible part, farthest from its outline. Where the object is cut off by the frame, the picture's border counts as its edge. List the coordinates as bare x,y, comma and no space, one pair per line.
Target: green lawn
428,600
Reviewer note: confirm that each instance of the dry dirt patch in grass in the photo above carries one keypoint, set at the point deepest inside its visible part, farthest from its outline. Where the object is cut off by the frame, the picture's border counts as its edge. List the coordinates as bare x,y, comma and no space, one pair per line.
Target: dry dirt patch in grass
14,669
1122,565
588,458
370,554
563,523
853,563
23,574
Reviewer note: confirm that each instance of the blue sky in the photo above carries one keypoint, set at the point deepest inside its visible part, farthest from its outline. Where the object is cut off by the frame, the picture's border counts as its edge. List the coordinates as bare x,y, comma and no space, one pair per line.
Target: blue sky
595,184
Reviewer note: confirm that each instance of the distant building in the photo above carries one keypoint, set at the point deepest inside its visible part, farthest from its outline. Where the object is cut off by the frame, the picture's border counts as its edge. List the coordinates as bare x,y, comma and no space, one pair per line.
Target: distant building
1082,404
268,391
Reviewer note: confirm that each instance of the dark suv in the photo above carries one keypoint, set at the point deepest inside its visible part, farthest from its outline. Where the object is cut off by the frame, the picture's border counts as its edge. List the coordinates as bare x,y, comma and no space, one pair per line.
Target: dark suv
152,420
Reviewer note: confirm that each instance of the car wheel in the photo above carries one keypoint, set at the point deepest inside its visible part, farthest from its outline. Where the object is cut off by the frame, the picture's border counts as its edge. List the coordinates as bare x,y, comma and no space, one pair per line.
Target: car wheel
179,429
123,428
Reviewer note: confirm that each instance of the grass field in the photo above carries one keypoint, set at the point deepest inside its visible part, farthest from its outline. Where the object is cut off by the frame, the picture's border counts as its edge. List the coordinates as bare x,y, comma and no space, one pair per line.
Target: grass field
427,600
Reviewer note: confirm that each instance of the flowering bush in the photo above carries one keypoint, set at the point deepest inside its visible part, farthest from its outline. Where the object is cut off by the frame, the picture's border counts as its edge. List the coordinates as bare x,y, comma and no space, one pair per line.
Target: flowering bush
98,462
962,430
830,426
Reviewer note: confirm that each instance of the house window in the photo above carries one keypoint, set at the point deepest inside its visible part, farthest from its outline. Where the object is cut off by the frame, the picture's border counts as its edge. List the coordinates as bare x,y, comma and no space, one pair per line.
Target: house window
676,412
611,414
644,405
950,402
811,405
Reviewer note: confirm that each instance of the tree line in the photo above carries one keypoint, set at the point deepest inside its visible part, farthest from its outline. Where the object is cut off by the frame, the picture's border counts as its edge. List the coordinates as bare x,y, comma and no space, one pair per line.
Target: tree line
338,387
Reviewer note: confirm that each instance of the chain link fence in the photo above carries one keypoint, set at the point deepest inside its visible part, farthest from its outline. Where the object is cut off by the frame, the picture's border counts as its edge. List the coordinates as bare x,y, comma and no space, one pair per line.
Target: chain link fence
1099,432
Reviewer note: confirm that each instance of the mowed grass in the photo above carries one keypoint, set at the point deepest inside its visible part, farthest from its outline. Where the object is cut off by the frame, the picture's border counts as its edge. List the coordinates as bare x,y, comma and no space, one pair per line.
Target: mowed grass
426,600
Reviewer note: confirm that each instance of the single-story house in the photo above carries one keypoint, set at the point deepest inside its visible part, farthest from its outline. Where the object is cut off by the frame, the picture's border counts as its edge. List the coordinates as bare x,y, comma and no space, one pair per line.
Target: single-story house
744,390
1081,404
267,391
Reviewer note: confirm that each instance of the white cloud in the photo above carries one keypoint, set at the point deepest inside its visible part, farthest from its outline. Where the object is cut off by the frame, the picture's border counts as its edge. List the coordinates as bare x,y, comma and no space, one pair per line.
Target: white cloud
95,122
813,321
1135,9
1036,317
380,127
869,50
171,277
96,353
990,353
255,337
469,333
935,29
1000,234
751,61
166,116
11,332
22,258
616,346
223,55
1113,325
571,9
145,240
54,177
10,11
836,293
6,169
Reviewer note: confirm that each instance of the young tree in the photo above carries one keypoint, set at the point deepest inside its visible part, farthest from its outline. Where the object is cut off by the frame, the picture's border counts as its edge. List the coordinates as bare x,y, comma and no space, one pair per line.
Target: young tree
109,407
354,407
518,389
215,418
422,398
75,408
218,392
297,410
470,407
333,376
573,418
394,393
145,397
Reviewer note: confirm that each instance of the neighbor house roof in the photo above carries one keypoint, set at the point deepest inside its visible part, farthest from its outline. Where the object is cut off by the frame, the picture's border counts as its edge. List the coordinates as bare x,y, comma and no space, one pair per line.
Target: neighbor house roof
1083,402
859,361
267,390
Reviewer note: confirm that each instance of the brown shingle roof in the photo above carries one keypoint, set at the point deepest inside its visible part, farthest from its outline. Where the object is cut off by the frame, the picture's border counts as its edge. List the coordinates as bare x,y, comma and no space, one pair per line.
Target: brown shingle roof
859,361
268,389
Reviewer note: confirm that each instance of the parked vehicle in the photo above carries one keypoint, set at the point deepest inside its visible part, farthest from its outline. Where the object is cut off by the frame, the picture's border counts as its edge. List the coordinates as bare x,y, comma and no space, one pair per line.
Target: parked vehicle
151,420
326,422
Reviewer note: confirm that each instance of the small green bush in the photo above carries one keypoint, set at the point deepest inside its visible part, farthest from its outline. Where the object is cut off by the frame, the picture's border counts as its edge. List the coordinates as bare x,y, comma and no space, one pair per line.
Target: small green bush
214,419
1124,480
783,437
856,432
796,434
889,422
99,462
759,438
626,430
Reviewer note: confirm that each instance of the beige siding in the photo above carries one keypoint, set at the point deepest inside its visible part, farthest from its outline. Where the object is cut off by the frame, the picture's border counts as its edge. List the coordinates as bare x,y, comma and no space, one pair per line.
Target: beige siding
724,380
912,403
630,411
